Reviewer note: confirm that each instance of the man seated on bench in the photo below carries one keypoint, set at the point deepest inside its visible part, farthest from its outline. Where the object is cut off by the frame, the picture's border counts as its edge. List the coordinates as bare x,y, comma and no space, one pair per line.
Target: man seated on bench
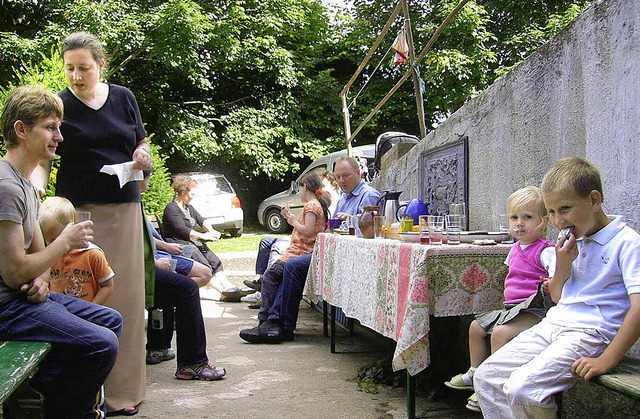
84,336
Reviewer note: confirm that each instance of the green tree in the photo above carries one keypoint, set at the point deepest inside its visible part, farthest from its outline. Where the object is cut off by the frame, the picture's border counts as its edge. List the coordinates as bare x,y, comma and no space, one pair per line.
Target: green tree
250,88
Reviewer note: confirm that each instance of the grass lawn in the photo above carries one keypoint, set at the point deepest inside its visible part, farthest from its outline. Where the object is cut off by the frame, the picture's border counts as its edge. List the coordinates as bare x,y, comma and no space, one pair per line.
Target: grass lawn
248,241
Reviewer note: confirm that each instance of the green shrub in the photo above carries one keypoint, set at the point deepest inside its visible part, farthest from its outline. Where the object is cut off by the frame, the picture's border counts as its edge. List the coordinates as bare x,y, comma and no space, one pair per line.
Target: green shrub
160,191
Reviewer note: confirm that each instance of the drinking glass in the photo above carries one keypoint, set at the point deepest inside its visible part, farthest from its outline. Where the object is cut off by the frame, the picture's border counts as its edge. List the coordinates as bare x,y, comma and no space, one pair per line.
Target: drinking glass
436,228
503,226
454,225
459,209
80,216
406,224
423,225
378,223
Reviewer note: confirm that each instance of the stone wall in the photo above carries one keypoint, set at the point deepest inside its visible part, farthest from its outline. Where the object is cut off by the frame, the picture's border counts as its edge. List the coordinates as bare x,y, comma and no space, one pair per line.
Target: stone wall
577,95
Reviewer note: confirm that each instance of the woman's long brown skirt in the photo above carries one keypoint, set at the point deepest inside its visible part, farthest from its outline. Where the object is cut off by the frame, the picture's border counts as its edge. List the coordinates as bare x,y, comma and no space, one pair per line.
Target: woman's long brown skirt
117,230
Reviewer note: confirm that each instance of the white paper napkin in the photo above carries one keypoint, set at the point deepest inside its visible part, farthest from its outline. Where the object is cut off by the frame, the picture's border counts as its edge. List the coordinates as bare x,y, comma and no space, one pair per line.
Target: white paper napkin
124,171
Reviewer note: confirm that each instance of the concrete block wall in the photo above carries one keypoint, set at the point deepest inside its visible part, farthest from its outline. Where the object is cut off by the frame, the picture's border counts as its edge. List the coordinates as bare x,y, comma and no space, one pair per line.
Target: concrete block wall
577,95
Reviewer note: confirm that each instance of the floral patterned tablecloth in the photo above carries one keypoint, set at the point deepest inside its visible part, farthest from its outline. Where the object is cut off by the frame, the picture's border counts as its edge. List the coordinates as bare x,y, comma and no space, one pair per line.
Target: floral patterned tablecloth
393,287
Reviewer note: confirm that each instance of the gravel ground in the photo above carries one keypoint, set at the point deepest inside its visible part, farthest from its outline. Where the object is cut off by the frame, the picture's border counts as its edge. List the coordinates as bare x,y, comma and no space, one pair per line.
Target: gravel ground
299,379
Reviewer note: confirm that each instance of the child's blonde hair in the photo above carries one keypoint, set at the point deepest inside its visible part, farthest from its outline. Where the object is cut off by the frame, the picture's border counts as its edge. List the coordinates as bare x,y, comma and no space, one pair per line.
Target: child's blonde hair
575,174
525,196
55,210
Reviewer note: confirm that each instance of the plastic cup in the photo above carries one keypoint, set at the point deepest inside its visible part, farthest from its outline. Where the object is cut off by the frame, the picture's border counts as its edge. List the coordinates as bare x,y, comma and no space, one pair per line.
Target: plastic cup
188,250
334,223
80,216
378,223
172,264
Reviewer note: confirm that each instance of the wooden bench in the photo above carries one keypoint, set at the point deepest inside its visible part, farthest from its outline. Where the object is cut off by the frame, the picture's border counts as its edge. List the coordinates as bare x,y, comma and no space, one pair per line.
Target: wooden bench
624,378
612,395
18,361
156,222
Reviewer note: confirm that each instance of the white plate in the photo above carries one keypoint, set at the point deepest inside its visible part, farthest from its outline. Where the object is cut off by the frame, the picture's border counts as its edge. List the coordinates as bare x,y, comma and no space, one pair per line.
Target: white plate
466,237
411,237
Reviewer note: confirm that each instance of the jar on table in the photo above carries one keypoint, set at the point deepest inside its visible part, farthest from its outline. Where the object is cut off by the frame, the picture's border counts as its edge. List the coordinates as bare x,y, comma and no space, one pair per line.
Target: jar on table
365,223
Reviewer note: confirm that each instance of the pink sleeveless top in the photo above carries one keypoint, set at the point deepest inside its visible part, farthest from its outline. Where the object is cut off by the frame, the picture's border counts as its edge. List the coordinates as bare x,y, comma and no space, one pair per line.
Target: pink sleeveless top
525,270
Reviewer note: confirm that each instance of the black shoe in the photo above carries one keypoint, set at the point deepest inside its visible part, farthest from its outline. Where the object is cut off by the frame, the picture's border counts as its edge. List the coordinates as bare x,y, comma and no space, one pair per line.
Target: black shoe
255,284
254,306
273,333
251,335
268,331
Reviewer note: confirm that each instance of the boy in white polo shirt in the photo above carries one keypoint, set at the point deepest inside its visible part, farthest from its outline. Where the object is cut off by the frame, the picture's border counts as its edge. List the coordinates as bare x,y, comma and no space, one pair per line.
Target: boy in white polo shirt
597,288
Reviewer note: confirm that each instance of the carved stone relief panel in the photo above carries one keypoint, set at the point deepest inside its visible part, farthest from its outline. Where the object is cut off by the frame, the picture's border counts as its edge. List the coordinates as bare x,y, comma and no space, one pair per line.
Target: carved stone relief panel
443,176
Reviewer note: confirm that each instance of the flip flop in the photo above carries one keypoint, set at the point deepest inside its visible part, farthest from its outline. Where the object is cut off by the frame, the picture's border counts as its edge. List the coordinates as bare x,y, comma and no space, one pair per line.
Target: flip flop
127,411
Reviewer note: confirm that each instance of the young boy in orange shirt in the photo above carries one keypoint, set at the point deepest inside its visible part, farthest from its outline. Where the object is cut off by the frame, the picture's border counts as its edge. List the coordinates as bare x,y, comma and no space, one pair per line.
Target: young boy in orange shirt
81,273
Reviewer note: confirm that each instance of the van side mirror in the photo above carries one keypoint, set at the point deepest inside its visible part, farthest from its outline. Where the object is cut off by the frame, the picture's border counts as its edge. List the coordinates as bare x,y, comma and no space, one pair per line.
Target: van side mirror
294,187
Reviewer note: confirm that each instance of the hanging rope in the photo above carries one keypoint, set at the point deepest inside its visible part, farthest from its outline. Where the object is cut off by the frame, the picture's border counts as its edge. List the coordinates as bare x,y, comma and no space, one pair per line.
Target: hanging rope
369,78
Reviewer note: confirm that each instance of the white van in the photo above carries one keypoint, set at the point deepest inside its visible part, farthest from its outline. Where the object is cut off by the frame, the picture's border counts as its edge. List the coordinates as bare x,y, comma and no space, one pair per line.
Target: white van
269,209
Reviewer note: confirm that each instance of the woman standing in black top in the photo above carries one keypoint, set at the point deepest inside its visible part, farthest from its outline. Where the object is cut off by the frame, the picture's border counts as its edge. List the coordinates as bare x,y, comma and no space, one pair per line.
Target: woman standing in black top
102,126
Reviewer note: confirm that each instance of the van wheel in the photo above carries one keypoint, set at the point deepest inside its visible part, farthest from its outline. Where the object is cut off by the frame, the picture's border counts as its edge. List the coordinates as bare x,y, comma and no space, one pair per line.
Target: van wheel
276,223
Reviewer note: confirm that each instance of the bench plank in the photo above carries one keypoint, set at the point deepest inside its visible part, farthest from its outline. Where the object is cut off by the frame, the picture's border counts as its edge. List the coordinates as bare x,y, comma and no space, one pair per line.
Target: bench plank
17,361
624,378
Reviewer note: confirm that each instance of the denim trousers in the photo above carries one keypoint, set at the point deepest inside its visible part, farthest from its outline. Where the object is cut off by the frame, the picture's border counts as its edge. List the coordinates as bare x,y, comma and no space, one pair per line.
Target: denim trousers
289,294
269,250
270,283
179,294
84,339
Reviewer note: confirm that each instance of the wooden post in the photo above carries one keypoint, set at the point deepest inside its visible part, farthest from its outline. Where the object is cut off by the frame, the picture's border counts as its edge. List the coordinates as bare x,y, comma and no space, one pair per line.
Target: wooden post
414,72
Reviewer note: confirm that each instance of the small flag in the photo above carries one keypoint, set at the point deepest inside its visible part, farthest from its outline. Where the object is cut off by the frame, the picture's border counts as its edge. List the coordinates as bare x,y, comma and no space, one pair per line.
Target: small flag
401,48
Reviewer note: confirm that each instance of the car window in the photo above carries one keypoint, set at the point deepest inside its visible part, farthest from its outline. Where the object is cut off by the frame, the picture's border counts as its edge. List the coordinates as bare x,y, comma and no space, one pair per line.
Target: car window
214,186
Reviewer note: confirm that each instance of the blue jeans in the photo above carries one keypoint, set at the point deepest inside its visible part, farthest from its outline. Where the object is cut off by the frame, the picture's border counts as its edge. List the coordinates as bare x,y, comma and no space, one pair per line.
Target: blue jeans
84,338
271,281
269,250
179,292
286,303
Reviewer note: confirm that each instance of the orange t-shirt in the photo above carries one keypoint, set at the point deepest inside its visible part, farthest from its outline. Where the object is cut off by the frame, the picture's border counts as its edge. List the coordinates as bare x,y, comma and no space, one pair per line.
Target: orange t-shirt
301,244
78,273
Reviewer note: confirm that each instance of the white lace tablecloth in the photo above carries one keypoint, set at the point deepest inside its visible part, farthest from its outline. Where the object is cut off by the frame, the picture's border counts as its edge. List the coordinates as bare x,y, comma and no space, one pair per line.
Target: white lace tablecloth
392,287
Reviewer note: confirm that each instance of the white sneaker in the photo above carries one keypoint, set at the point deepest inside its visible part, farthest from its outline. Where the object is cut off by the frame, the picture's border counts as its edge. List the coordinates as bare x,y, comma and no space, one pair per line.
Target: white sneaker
252,298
